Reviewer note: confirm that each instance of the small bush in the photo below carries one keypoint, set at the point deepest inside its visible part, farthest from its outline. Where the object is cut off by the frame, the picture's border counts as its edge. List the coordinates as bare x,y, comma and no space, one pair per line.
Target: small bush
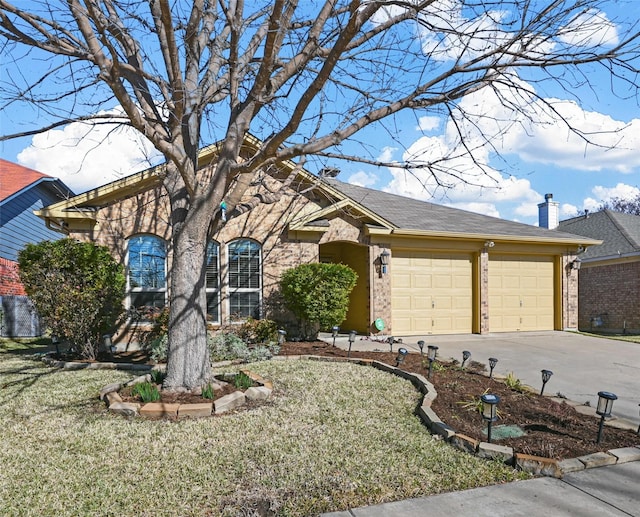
254,331
318,294
147,391
226,346
158,348
77,287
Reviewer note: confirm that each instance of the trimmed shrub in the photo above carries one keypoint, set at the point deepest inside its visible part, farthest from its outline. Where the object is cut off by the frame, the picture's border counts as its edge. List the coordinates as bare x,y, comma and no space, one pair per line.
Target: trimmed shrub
318,294
77,288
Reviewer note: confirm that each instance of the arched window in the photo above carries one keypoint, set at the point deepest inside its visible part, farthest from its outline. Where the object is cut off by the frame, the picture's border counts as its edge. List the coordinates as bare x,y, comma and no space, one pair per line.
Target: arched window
147,272
213,282
245,278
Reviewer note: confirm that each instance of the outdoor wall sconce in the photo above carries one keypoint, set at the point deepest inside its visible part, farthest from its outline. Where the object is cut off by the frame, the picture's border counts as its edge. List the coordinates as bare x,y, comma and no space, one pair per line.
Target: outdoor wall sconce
352,338
432,350
402,353
575,265
489,244
281,335
605,403
421,346
390,341
546,375
465,357
492,364
334,332
384,261
489,411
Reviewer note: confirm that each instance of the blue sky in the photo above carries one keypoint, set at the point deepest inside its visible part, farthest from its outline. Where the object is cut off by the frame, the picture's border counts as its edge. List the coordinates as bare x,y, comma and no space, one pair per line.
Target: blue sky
526,160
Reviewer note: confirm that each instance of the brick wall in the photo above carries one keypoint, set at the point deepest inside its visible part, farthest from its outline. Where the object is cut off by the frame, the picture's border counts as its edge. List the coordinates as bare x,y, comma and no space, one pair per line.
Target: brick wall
266,224
611,293
10,284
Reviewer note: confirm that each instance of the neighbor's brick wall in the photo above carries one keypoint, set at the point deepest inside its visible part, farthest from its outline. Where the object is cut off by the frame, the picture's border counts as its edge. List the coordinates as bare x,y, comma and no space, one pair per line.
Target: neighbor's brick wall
611,292
10,284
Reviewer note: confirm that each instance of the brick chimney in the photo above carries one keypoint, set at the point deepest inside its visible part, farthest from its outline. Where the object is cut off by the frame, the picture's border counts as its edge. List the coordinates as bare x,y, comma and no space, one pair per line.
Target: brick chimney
549,213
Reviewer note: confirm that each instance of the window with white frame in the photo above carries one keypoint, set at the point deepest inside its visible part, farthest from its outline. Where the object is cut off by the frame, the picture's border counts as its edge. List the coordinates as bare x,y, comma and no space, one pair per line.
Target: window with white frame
147,272
245,278
213,282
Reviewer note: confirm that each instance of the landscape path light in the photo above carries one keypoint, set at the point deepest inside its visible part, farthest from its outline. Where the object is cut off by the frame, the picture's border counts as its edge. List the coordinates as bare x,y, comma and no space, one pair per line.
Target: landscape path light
546,375
390,340
334,332
402,353
465,357
492,364
489,411
605,403
421,346
432,351
352,338
281,335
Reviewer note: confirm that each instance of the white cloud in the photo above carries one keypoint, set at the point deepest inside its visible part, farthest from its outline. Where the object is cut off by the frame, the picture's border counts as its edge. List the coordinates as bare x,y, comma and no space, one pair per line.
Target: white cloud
568,210
590,29
85,156
363,179
428,123
386,154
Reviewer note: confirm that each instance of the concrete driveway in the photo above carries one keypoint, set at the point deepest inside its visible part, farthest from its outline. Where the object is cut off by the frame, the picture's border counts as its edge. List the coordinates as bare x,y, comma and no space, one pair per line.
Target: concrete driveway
582,365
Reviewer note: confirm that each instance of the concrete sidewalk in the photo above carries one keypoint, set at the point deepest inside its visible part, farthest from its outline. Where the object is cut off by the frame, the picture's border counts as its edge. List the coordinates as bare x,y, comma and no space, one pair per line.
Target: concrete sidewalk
582,365
599,492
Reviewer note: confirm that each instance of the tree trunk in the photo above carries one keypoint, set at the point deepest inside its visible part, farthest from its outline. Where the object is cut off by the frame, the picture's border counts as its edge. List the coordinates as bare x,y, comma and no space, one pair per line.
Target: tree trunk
188,363
188,356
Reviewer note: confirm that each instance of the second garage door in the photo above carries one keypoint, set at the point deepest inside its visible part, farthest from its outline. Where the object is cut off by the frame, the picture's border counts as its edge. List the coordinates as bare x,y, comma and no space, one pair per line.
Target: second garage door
431,293
520,293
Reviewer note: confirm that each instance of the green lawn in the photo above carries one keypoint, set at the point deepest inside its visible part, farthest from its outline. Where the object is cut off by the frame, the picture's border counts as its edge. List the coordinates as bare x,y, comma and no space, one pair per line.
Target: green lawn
334,436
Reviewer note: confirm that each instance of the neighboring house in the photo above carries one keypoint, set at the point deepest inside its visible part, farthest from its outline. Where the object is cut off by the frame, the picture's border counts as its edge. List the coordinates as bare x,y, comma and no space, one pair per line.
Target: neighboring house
449,271
609,292
22,191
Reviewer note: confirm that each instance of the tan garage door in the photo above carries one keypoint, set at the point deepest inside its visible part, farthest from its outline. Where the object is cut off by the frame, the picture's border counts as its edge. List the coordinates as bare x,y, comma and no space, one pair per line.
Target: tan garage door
431,293
520,293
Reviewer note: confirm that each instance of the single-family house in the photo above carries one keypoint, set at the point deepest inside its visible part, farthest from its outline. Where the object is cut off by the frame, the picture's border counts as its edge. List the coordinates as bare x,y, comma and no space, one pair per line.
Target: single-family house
422,268
609,289
22,191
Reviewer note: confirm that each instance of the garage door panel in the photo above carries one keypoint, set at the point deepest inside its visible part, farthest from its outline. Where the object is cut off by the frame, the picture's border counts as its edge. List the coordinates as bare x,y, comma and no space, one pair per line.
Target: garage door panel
521,293
440,293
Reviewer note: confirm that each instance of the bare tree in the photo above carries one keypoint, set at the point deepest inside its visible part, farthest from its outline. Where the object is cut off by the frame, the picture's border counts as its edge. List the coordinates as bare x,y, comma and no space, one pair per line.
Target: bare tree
302,76
618,204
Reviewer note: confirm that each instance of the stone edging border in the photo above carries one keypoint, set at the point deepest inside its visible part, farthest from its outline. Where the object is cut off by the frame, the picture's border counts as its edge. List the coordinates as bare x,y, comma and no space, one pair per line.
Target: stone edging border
536,465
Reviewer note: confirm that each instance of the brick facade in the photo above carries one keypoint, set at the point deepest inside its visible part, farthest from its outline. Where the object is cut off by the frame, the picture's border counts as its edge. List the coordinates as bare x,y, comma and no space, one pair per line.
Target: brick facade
10,284
610,297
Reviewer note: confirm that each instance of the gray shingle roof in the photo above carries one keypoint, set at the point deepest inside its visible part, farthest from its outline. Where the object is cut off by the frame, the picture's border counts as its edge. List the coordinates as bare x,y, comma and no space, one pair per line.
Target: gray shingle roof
619,231
412,214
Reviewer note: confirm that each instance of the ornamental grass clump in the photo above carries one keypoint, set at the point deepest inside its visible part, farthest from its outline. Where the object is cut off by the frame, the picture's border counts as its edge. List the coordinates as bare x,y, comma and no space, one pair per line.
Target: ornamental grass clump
147,391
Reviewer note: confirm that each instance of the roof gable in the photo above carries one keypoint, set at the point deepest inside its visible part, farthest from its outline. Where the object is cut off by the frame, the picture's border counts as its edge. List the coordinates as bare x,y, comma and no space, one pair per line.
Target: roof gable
14,178
620,232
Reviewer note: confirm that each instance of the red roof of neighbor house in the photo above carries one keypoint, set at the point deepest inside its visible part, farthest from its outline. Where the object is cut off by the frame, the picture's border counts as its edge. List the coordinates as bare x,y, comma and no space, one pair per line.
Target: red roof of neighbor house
14,177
